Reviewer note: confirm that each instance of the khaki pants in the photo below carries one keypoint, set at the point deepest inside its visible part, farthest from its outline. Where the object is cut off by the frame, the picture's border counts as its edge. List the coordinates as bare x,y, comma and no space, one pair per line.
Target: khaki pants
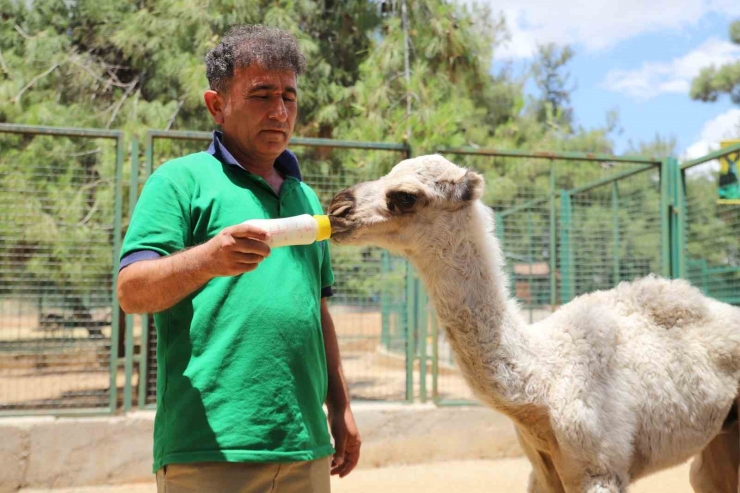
245,477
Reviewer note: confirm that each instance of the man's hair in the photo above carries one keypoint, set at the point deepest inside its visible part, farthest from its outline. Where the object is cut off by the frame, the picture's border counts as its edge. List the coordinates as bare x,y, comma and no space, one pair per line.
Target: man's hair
245,45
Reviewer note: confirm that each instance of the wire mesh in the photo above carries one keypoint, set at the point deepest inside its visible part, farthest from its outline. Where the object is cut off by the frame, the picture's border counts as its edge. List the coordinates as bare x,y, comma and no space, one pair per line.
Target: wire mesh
615,233
525,193
566,227
57,197
369,302
713,235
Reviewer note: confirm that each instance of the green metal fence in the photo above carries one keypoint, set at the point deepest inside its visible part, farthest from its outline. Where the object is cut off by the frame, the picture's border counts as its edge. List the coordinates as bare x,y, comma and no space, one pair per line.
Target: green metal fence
711,254
569,223
60,201
369,305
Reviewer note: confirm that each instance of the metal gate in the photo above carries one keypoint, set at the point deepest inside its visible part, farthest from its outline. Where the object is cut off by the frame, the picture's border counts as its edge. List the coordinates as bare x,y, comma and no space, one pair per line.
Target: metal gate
60,197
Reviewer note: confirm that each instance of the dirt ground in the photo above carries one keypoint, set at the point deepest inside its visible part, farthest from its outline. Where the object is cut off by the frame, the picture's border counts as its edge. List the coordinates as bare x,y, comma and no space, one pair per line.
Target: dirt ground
493,476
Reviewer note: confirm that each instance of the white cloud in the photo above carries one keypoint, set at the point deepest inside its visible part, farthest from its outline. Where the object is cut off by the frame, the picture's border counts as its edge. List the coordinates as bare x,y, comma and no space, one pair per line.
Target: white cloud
595,24
655,78
723,127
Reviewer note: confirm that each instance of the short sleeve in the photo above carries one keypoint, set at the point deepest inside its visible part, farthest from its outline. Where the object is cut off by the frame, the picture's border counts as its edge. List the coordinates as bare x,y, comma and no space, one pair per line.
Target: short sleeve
161,219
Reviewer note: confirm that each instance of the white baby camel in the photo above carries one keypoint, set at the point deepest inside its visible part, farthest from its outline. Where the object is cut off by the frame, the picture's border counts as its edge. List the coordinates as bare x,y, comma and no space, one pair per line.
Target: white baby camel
613,386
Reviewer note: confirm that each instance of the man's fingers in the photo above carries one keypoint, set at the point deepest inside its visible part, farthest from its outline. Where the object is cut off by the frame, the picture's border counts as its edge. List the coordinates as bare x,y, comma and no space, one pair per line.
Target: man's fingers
248,231
351,458
247,246
249,258
339,455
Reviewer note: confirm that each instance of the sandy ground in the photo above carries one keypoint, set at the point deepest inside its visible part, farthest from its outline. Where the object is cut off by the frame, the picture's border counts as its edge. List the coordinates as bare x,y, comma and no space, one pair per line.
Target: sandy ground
497,476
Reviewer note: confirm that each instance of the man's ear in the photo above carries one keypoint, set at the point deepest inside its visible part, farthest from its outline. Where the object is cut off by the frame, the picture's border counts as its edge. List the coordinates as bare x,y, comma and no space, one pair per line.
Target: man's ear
216,105
468,188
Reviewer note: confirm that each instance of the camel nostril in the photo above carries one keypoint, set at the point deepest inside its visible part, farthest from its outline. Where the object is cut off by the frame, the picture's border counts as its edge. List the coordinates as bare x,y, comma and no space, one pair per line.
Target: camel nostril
341,211
342,204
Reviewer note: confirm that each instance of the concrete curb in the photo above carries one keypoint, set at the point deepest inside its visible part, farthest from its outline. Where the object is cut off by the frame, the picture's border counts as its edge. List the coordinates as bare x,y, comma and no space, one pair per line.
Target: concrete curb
47,452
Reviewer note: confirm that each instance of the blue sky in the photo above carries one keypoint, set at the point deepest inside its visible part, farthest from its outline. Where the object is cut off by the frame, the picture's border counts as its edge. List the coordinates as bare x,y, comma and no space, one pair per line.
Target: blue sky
635,57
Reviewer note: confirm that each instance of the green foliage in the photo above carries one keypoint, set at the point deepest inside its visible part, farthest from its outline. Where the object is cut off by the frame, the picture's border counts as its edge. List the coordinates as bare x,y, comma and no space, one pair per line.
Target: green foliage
713,81
139,65
552,79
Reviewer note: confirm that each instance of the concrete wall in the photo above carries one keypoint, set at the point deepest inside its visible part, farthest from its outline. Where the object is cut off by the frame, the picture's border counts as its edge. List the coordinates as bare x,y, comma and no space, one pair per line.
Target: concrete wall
49,452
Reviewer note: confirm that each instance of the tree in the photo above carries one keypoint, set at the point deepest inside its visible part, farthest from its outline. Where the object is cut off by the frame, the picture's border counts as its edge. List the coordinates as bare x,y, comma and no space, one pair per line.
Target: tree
139,65
712,81
552,78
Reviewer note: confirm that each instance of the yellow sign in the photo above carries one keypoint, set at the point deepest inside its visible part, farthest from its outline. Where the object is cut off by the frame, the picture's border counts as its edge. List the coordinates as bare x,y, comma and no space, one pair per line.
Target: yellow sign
729,182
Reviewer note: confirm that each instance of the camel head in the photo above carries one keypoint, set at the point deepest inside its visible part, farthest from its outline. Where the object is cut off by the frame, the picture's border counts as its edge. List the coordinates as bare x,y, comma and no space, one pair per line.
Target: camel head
401,210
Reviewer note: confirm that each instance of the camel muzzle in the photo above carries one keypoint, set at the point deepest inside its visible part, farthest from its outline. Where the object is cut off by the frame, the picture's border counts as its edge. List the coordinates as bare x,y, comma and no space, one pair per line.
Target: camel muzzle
340,211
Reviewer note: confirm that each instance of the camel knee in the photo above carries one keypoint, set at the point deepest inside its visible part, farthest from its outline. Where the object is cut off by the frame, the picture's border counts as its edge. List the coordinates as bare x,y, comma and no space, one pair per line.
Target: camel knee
604,484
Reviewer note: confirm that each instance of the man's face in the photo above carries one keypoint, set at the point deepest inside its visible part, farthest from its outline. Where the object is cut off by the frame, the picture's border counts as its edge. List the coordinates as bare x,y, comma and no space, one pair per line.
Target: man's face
259,111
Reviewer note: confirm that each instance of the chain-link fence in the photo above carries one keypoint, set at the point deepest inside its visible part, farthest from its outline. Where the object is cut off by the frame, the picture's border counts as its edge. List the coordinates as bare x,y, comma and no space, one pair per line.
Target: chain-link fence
568,224
60,202
615,231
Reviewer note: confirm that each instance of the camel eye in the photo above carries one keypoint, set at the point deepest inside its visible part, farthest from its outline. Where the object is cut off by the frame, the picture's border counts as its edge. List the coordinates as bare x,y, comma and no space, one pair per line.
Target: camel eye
401,201
405,199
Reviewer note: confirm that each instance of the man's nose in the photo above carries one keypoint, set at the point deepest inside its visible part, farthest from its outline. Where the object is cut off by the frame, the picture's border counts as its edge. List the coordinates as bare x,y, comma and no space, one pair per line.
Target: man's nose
342,204
278,111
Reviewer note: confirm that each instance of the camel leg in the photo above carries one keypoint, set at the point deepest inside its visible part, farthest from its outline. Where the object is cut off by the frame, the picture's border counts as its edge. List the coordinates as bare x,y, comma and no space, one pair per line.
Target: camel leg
715,469
543,478
605,484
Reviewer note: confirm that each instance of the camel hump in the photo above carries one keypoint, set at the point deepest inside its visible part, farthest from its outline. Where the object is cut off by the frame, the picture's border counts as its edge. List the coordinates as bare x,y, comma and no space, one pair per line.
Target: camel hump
667,302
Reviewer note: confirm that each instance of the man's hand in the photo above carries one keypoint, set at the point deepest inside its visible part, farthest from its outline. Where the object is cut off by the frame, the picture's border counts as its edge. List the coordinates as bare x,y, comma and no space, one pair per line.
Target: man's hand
346,441
236,250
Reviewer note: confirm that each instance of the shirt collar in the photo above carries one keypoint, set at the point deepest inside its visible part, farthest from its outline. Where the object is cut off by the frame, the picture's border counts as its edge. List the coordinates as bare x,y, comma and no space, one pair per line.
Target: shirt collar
286,163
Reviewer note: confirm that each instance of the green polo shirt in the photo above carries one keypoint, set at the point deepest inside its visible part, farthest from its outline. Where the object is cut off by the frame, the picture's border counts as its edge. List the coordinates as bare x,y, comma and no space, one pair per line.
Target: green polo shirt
241,363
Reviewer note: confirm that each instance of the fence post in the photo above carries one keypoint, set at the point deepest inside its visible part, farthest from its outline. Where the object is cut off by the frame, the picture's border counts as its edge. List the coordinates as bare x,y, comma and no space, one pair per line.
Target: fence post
423,320
129,339
530,257
115,325
678,216
435,359
566,254
385,309
410,331
144,351
553,239
665,217
615,217
672,219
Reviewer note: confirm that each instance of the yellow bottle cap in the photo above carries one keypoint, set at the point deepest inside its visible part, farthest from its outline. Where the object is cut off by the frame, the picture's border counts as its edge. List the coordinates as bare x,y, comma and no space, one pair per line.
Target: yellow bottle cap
324,231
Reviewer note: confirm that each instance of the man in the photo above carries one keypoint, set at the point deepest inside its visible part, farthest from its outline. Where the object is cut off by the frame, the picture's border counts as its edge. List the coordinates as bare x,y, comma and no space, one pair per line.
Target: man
247,353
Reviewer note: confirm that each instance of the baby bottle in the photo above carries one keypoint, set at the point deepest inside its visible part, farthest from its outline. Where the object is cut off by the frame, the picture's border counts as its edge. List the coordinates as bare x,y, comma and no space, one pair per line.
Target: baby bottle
296,230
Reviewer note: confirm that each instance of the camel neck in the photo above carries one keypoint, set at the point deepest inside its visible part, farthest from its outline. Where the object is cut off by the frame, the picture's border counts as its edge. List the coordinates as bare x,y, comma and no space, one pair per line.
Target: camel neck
464,276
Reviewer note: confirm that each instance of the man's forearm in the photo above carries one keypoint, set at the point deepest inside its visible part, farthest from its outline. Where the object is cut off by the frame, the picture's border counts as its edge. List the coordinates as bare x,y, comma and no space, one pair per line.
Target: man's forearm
151,286
337,398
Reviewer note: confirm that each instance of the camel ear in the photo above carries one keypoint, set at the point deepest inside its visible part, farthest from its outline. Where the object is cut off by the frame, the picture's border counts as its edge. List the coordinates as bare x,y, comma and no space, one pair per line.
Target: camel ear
468,188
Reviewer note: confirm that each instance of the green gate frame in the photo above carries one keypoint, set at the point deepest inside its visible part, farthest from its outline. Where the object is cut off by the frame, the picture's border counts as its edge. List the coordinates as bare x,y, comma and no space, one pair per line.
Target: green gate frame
118,136
419,316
